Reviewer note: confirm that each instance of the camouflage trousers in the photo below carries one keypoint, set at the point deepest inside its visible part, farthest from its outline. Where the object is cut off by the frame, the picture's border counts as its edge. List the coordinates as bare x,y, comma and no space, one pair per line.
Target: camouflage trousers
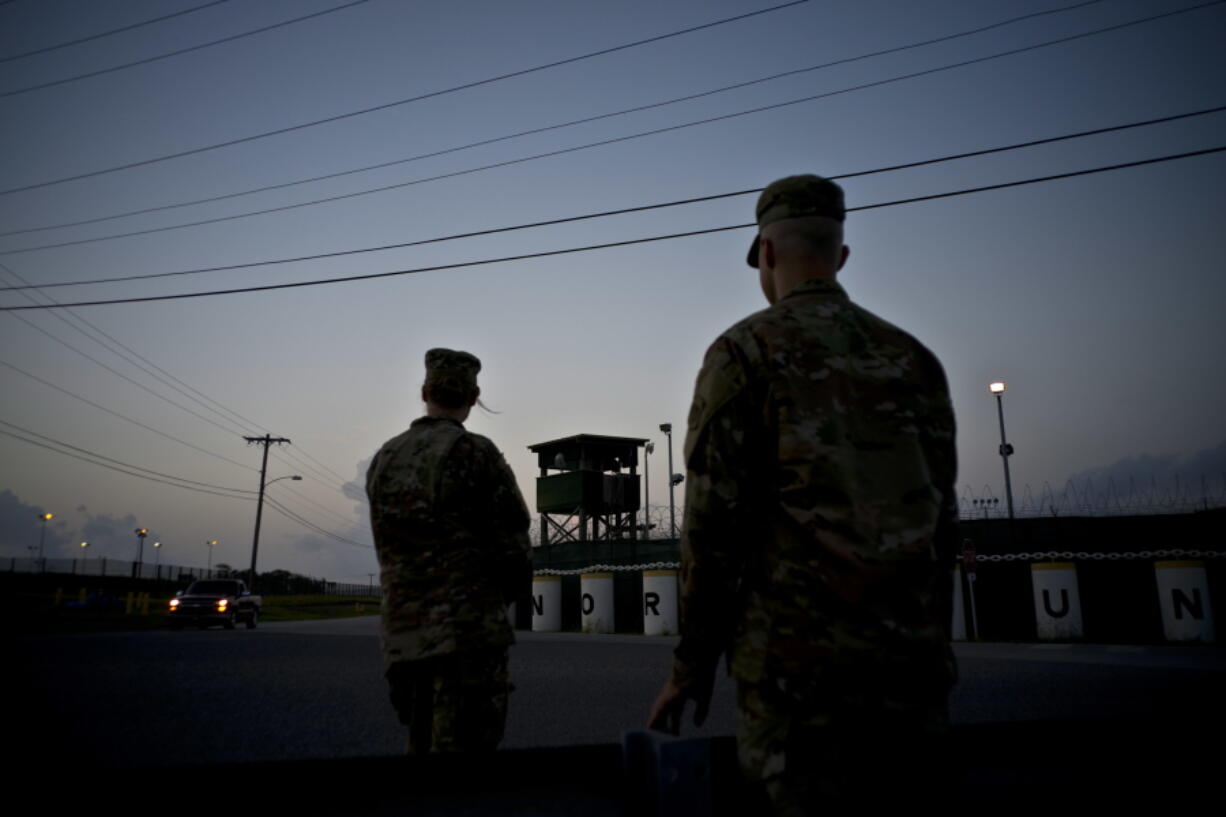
850,755
452,703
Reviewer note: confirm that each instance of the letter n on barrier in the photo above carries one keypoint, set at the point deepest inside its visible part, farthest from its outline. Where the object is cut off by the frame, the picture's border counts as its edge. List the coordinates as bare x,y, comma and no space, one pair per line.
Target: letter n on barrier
538,605
1063,611
651,603
1195,605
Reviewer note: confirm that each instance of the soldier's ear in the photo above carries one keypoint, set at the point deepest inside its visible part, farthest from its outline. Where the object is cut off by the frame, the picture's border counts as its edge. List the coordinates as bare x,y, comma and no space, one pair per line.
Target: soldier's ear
424,398
843,257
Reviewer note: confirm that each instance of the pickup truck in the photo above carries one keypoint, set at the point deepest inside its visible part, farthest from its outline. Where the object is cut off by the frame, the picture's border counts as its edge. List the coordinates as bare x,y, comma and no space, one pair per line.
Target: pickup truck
215,601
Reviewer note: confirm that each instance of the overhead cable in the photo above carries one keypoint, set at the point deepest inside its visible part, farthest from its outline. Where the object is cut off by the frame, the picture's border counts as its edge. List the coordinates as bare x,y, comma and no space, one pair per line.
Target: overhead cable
114,371
609,245
120,30
275,505
128,356
624,210
123,417
176,53
544,129
577,148
387,105
124,471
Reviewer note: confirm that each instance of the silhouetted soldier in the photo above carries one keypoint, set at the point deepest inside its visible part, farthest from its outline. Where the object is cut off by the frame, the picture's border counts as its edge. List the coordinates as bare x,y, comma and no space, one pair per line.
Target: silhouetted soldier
820,522
451,531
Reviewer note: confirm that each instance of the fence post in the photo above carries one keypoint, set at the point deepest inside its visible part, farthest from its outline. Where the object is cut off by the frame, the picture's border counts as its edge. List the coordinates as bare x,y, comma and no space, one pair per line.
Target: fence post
103,566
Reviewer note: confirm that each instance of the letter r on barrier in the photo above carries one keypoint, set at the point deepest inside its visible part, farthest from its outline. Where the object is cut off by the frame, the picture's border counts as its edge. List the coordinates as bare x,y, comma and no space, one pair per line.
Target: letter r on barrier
651,603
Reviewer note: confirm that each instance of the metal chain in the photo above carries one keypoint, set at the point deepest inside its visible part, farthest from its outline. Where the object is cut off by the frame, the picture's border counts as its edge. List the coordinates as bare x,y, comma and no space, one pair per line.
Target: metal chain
1069,555
549,571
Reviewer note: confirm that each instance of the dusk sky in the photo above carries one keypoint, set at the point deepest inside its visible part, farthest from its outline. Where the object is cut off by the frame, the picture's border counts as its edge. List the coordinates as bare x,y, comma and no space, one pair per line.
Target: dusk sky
1098,299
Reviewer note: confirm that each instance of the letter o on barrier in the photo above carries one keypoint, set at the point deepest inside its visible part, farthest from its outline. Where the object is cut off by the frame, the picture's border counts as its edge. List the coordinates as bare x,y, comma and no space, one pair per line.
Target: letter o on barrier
546,604
596,602
1183,593
660,602
1057,603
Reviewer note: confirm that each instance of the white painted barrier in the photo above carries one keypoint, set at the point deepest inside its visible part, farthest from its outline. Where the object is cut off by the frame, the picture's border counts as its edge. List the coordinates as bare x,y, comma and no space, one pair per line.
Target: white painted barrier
1057,602
957,630
660,603
1183,595
596,602
546,604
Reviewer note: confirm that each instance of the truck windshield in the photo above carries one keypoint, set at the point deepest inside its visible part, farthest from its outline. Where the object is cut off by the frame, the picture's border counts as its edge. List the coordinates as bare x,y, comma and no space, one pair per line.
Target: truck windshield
225,588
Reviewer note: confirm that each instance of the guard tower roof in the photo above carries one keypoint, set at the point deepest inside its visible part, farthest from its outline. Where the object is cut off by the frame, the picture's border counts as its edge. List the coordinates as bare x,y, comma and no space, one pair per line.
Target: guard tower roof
588,452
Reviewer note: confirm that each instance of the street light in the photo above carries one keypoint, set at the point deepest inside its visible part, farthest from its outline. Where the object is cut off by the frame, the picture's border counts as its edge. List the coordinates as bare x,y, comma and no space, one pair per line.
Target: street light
648,448
141,533
673,481
259,513
157,554
1006,450
84,545
42,538
212,543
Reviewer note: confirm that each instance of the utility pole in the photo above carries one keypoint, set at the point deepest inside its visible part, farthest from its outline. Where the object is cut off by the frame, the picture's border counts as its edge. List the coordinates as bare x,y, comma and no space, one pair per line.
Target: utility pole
265,441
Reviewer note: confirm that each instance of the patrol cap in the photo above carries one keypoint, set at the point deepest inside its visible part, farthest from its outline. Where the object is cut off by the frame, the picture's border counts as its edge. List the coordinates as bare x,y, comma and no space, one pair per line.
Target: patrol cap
796,197
448,362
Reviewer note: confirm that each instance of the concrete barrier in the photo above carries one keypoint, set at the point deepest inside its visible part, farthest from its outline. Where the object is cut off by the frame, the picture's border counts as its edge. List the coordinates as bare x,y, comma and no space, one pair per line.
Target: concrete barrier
546,604
596,602
660,603
1057,602
1183,595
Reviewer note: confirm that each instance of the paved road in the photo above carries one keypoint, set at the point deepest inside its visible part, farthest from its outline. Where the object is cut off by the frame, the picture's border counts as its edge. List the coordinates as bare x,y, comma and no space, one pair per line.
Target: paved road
314,690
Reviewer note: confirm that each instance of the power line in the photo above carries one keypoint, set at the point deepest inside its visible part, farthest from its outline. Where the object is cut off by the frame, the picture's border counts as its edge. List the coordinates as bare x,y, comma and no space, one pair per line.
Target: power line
124,471
80,40
63,444
388,105
130,360
275,505
123,417
110,369
609,245
339,517
621,211
177,53
544,129
590,145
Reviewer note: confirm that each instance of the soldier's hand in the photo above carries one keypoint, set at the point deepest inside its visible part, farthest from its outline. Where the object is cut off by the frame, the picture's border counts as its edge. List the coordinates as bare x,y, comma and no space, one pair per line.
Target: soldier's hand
669,708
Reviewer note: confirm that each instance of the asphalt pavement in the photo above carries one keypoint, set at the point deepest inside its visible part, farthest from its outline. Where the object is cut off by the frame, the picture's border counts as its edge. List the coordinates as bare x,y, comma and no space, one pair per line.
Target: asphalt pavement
298,690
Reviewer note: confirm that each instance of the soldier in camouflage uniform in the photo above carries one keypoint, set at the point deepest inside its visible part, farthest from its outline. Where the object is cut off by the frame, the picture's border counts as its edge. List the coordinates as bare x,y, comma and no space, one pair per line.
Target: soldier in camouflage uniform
820,525
451,532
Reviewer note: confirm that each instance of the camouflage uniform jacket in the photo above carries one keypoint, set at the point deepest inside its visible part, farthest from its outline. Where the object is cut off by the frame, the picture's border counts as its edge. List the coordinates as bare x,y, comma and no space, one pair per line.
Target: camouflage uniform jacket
820,515
451,533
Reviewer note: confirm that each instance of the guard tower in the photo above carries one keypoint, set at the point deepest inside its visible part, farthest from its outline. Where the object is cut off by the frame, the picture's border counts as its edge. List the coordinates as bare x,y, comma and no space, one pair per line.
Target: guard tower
593,494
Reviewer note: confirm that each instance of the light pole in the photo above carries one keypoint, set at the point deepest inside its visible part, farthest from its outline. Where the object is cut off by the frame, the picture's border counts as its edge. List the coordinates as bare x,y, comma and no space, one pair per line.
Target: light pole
998,389
673,481
212,543
84,545
648,448
42,538
259,513
141,533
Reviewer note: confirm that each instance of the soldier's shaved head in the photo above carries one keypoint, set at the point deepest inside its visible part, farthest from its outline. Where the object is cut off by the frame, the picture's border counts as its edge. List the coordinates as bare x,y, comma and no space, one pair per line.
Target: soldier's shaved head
814,239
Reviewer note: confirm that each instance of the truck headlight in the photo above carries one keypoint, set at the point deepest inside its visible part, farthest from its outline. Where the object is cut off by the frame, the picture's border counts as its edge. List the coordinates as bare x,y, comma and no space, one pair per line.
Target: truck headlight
222,605
174,604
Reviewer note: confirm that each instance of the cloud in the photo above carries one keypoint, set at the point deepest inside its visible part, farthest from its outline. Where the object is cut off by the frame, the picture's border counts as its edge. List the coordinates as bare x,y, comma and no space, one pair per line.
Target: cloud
21,528
1162,469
